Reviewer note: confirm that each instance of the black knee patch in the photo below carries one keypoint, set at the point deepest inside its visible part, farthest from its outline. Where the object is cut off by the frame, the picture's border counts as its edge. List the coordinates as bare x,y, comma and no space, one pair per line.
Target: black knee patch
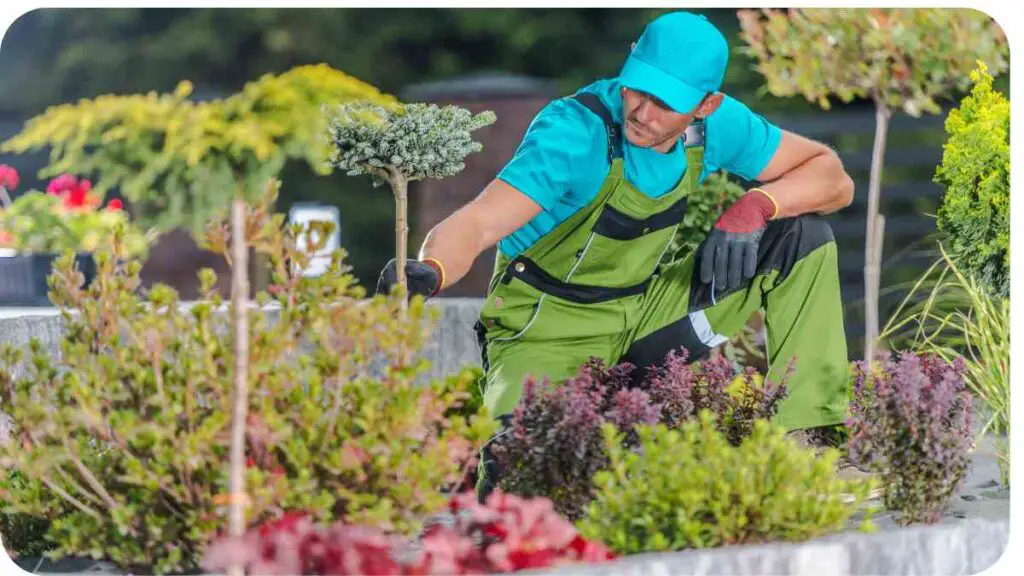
785,242
651,350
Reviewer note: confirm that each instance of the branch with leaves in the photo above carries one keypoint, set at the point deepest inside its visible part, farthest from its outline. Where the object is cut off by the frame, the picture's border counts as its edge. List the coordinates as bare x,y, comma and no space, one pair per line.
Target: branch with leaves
901,59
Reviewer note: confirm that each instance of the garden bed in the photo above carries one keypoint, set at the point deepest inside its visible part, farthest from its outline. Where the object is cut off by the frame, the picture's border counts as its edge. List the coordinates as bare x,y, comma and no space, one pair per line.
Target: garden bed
971,536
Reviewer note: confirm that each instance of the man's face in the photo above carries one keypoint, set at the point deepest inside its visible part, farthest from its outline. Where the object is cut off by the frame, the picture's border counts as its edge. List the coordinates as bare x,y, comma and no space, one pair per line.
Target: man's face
650,123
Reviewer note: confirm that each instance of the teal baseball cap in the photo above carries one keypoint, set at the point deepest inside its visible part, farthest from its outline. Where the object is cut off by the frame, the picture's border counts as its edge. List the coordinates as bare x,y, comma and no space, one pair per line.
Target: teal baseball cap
680,59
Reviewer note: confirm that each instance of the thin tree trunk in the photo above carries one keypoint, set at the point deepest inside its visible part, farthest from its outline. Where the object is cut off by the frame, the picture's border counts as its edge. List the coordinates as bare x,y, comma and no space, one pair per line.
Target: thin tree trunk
239,302
400,186
874,237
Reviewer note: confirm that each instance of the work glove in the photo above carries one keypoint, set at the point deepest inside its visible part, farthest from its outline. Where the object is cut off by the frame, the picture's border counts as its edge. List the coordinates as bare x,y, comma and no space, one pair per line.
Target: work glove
424,278
729,254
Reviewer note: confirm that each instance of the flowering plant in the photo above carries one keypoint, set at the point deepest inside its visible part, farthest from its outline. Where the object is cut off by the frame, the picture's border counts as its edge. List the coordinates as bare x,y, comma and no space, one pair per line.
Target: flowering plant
68,216
506,534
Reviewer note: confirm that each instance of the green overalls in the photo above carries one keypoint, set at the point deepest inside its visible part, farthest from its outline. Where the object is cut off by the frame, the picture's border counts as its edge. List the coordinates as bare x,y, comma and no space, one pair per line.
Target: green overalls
596,286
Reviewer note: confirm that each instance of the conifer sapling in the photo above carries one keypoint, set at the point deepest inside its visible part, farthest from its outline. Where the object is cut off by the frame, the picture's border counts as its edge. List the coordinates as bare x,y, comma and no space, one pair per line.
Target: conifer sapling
402,144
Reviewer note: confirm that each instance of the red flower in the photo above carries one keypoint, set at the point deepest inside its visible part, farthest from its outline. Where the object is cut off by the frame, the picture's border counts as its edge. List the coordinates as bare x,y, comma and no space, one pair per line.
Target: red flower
115,204
78,196
75,191
8,177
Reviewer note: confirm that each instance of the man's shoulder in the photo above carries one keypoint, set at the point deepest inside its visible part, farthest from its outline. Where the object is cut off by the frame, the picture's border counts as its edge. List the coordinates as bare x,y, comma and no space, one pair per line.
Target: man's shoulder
566,117
729,113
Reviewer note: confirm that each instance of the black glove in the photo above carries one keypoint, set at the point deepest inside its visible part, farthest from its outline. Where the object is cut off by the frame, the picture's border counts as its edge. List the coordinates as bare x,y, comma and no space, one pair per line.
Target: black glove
729,259
729,255
422,278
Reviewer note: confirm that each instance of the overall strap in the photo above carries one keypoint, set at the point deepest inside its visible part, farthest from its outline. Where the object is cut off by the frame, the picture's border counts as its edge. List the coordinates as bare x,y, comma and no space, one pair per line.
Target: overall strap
614,132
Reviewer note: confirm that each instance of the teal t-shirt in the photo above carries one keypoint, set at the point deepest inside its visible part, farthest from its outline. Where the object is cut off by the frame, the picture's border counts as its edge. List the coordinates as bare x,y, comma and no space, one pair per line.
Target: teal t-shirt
563,158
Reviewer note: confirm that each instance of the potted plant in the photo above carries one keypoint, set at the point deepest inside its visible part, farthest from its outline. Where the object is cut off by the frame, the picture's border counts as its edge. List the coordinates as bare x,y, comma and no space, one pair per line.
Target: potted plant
37,227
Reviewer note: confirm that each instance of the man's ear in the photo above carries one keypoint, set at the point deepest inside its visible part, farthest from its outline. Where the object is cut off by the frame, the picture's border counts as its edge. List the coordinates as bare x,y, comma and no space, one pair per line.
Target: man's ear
709,105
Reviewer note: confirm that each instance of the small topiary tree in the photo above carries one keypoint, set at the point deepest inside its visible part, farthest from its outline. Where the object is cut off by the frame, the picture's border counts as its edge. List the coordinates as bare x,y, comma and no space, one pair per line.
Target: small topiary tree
401,145
975,171
900,59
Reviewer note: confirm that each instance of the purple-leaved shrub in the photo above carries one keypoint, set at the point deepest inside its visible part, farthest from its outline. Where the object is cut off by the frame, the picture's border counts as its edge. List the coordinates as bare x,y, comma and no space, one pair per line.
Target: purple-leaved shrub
554,445
910,421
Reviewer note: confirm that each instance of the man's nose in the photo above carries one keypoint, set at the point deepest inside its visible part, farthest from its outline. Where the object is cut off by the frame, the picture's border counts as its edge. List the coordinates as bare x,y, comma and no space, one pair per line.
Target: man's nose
645,111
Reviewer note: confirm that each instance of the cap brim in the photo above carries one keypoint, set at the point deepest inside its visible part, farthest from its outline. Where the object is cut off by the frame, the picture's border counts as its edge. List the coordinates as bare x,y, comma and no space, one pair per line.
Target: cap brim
678,95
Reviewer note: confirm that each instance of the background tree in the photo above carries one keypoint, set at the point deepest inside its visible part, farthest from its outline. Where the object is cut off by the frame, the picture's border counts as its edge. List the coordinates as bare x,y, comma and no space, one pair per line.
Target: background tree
901,59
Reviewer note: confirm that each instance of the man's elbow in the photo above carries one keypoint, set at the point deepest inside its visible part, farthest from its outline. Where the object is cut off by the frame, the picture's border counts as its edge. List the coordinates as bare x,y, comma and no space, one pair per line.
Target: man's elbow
844,185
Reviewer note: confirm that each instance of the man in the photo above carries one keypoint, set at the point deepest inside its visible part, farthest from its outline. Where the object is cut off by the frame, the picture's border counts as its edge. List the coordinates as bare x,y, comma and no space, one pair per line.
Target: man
584,212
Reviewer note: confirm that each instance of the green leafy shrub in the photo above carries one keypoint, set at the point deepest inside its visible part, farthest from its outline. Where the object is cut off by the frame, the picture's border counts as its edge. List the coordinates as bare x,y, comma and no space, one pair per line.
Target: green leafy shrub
975,172
691,488
466,386
22,534
703,208
129,430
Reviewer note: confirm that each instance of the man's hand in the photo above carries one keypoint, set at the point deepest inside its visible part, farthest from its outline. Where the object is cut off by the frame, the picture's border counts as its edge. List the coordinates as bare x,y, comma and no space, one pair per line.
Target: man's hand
729,254
423,278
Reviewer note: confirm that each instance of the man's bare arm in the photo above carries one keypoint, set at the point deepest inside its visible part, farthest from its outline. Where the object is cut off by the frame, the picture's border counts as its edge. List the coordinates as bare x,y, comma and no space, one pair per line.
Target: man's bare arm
805,177
457,241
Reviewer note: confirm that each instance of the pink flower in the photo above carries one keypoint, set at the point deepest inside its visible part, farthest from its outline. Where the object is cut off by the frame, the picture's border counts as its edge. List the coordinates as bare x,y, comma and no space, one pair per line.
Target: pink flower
8,177
74,191
62,184
115,204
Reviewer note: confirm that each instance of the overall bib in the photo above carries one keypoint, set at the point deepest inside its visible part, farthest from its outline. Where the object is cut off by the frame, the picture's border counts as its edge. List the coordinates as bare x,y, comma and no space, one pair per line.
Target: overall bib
596,286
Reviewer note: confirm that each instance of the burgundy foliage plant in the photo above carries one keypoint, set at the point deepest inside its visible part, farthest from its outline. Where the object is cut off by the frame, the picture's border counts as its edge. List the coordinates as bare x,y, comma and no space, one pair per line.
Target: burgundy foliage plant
553,445
911,422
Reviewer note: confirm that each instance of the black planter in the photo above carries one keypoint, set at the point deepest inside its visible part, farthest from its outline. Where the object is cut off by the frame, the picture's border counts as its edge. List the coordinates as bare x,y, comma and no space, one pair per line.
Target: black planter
23,277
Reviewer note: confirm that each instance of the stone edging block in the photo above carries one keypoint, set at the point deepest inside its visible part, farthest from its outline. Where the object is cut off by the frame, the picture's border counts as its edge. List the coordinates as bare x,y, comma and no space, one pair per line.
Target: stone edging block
964,547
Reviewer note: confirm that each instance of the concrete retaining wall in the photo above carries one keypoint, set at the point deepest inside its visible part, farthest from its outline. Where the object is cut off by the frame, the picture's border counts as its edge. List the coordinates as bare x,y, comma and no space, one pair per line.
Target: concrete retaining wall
965,547
453,346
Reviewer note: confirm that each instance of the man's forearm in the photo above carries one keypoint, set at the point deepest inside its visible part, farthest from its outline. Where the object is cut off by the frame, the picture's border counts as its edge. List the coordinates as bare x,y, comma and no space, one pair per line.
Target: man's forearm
455,243
819,185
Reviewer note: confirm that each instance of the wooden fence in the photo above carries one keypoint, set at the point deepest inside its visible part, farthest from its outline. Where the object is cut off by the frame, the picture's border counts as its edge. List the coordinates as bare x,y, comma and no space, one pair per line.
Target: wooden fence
909,200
